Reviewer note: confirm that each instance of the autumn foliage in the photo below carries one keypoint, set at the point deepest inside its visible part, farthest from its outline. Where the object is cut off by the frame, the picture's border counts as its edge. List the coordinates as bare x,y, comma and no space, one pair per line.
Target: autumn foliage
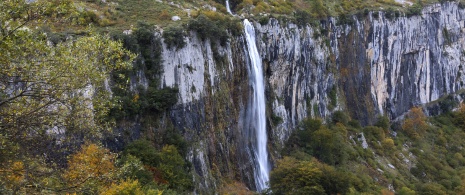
415,123
91,166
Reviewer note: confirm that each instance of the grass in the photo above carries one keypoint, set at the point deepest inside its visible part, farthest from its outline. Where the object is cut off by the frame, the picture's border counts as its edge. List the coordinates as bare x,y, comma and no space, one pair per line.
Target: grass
149,11
119,15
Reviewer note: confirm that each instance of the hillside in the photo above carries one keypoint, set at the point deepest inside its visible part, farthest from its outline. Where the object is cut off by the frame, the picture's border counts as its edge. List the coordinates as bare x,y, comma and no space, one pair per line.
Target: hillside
277,97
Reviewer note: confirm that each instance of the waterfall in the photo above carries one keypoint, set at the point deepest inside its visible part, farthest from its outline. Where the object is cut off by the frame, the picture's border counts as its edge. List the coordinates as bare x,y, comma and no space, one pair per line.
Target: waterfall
262,166
228,9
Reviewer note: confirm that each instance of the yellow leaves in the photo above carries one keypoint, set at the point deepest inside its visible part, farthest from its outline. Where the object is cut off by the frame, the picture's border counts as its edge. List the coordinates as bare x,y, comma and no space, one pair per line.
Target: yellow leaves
135,98
13,174
125,187
57,77
388,144
92,162
415,123
17,172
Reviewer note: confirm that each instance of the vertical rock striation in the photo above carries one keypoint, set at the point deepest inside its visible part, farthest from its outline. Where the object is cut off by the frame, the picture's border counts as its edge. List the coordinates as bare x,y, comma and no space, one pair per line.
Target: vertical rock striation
372,66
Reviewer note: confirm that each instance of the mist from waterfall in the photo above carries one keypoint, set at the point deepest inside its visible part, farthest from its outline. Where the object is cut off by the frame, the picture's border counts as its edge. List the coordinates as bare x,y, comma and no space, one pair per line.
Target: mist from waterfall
258,112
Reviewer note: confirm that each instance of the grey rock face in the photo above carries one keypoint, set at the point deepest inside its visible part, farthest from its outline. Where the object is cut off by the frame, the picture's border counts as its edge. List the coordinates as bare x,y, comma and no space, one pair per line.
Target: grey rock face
423,58
375,66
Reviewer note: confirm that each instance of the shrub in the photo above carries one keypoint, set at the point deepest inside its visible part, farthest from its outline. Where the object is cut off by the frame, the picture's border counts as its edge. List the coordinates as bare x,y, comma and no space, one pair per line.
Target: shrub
374,133
355,124
301,18
432,188
383,122
415,123
143,150
312,176
333,97
264,20
174,37
345,20
340,117
167,165
276,119
414,10
448,104
158,100
208,29
164,15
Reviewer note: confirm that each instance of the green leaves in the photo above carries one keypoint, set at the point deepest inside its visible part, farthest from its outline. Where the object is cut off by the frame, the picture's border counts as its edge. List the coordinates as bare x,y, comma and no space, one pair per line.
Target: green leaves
50,93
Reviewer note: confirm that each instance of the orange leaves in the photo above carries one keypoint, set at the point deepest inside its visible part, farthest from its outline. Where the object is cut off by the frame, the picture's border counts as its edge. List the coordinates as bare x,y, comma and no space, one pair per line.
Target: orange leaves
14,174
91,163
415,123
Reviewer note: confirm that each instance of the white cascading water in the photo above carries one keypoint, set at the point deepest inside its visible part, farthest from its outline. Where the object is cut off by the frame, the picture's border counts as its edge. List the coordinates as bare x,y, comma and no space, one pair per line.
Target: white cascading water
228,9
262,168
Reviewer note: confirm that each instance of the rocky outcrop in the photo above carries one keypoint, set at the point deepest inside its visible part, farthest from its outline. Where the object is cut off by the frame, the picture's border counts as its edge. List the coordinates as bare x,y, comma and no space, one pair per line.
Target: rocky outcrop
373,65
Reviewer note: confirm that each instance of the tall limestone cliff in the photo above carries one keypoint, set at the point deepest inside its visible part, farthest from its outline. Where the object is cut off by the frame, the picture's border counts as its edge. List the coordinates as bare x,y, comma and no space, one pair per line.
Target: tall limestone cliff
369,65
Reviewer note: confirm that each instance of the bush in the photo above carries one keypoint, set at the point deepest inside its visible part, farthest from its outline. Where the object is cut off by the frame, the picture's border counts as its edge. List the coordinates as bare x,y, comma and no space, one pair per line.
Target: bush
301,18
167,166
415,123
292,176
383,122
345,20
264,20
432,188
159,100
414,10
374,133
143,150
208,29
174,37
333,97
340,117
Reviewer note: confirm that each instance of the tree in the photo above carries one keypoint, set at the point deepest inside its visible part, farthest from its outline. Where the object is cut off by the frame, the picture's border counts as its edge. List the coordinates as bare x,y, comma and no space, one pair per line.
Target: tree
295,177
460,116
415,123
173,167
125,188
383,122
432,188
50,93
318,9
89,169
292,176
406,191
167,166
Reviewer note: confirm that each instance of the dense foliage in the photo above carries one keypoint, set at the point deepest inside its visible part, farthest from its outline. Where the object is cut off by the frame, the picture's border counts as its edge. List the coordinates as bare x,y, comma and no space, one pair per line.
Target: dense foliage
56,106
419,155
61,92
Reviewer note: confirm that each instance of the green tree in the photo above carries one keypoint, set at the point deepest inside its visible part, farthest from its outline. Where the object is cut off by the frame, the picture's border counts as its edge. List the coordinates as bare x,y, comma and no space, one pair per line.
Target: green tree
383,122
173,167
295,177
432,188
406,191
48,90
292,176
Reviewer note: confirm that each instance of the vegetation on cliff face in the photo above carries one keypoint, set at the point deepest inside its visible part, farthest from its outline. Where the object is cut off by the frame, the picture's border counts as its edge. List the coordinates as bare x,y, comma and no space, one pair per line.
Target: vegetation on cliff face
419,155
62,92
121,14
56,106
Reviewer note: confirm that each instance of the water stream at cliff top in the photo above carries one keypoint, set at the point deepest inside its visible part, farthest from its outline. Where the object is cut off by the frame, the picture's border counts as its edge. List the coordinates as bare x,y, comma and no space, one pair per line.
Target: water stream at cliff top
262,166
228,9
